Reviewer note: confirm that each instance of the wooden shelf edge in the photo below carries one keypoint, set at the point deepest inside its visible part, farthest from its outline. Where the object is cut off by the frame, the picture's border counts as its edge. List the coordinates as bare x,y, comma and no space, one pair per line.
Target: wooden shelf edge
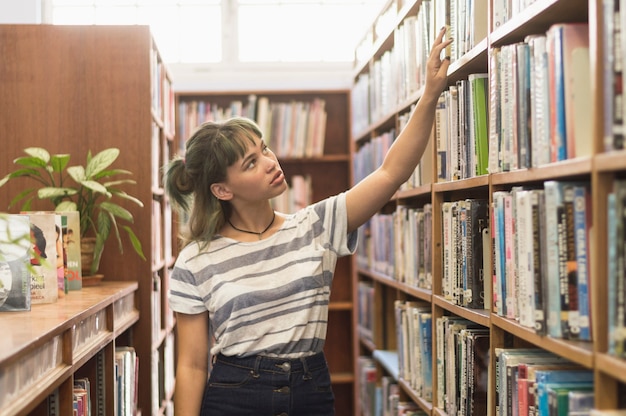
613,366
579,352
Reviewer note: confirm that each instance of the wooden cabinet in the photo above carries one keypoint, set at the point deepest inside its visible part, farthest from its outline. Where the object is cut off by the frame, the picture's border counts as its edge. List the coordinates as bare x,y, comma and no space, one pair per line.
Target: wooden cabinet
74,89
44,350
379,110
330,173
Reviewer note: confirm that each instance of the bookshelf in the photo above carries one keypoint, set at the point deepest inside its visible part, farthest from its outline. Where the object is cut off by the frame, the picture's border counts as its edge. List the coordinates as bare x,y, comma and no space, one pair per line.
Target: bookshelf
72,89
381,100
55,343
329,172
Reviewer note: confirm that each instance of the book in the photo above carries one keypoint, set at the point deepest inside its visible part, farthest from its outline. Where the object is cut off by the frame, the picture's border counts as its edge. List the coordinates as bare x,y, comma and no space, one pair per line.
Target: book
558,396
479,93
545,377
582,227
14,263
554,47
43,283
577,89
71,246
539,97
477,222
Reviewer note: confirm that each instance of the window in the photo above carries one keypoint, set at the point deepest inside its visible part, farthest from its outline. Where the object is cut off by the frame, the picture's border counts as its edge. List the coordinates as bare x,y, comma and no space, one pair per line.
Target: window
214,31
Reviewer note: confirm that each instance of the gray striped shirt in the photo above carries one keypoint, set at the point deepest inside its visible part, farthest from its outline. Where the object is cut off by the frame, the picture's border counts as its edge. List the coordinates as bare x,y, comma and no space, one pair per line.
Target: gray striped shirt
271,296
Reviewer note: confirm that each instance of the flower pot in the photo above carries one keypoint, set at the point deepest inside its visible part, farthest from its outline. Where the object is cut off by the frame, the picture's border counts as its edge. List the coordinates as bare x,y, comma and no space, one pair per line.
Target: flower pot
87,245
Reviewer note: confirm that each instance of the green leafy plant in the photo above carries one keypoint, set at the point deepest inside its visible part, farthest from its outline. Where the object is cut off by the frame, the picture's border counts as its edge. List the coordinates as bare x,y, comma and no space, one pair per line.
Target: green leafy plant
87,189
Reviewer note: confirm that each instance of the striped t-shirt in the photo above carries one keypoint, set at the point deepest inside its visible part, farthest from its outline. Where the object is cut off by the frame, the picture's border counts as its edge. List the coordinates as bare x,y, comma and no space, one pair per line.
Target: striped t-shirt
270,296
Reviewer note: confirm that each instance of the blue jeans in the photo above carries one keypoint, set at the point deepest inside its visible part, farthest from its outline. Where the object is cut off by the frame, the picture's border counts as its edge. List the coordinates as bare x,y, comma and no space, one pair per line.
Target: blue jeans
264,386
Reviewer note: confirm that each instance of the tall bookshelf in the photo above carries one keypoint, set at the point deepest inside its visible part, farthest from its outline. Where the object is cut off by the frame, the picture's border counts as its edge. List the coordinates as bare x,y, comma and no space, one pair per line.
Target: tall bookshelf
330,173
379,107
74,89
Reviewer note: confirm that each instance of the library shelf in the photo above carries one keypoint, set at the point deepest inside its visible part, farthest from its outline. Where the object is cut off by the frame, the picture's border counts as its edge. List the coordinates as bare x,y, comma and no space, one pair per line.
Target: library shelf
49,345
73,89
599,169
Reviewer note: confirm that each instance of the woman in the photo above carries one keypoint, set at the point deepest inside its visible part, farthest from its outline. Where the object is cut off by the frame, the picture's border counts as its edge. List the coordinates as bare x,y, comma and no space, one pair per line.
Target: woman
251,287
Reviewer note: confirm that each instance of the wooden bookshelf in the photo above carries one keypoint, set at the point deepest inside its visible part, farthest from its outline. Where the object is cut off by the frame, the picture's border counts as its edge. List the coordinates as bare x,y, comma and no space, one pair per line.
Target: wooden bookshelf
54,343
599,169
74,89
330,174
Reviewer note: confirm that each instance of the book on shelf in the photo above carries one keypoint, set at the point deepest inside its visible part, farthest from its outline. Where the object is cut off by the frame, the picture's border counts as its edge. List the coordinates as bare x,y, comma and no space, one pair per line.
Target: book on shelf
507,362
616,279
15,292
70,221
545,378
126,366
558,396
43,284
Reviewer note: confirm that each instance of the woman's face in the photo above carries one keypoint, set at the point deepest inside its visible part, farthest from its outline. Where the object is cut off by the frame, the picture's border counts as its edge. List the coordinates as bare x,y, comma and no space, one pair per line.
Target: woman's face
257,176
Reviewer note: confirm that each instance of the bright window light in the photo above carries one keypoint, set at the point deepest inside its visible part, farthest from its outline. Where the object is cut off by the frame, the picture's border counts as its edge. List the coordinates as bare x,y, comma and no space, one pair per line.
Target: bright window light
193,31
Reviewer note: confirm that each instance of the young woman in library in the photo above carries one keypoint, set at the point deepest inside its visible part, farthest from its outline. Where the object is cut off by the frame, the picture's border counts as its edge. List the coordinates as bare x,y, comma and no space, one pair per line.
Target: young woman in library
251,287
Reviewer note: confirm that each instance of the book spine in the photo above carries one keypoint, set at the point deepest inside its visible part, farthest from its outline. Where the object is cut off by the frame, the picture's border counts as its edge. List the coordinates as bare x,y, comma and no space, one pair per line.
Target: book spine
582,218
573,326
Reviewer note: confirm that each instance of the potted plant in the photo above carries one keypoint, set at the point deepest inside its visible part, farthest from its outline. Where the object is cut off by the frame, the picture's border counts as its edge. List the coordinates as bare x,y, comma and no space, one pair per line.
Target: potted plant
87,189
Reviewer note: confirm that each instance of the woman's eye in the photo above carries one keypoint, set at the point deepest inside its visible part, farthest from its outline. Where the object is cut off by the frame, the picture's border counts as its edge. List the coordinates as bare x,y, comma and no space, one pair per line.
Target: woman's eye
266,149
251,164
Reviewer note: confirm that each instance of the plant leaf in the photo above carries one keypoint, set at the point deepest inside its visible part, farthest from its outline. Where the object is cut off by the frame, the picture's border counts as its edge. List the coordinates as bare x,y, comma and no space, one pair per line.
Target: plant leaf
59,162
50,192
101,161
124,195
117,211
32,162
111,172
134,241
66,206
21,196
120,182
38,153
77,173
96,187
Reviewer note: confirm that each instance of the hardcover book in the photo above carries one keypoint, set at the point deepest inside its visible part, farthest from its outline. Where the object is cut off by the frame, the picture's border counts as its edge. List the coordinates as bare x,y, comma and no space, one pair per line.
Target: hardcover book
14,261
43,283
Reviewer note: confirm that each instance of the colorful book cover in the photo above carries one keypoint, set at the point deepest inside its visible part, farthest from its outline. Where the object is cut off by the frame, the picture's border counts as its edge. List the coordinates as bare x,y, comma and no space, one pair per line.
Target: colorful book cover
14,260
71,245
43,269
582,220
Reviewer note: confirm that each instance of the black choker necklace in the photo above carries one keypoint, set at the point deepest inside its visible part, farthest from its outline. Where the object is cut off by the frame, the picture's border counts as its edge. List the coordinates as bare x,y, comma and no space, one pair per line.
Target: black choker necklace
254,232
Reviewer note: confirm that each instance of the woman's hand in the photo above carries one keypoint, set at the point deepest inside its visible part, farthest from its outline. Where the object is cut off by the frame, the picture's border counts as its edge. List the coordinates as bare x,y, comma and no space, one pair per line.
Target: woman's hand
437,68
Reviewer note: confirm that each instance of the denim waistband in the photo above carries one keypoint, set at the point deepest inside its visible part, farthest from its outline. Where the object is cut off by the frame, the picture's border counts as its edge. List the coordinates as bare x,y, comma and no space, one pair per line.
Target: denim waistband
275,364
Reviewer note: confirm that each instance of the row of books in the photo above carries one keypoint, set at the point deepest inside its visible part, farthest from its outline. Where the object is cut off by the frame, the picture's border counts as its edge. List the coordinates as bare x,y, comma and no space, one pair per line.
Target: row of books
365,310
614,53
40,258
400,71
541,261
466,253
381,398
504,10
461,121
294,129
126,381
163,376
616,276
413,242
539,92
462,361
398,245
535,382
414,341
466,23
